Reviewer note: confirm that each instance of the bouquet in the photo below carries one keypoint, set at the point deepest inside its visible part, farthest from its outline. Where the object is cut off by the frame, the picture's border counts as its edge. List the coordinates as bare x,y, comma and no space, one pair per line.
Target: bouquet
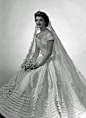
29,64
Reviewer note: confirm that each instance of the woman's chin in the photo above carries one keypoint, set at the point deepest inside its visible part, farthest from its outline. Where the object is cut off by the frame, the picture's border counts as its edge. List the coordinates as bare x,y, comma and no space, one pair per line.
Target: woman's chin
39,26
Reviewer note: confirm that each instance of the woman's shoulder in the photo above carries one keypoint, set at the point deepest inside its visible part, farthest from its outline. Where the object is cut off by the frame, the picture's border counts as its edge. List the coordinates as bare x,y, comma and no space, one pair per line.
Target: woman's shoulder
50,35
49,32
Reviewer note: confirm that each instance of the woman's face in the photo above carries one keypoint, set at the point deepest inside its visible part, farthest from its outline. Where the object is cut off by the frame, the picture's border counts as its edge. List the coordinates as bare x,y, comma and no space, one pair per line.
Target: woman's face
39,21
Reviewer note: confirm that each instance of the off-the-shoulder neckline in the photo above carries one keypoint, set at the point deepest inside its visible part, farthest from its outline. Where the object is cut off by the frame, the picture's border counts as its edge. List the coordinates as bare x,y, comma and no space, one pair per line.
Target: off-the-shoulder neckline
43,36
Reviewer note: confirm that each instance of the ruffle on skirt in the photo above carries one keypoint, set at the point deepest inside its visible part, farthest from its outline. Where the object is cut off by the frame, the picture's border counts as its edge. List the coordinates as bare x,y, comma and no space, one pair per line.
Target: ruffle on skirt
41,93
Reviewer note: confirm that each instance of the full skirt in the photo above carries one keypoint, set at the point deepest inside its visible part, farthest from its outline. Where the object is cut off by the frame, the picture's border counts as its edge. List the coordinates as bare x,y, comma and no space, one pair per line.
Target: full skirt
42,93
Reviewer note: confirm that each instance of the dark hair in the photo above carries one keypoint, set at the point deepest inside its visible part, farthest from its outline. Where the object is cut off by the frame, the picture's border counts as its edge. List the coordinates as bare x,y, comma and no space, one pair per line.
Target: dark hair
43,15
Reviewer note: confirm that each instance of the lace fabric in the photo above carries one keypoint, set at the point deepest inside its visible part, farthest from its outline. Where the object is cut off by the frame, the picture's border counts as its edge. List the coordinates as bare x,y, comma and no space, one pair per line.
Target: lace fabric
55,90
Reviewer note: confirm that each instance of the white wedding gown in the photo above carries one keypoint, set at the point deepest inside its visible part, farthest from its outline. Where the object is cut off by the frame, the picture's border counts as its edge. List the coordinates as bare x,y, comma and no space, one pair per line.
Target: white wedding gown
39,93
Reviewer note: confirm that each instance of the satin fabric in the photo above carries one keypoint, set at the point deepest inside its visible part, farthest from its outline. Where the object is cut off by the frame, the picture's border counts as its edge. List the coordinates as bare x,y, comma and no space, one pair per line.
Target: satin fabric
43,92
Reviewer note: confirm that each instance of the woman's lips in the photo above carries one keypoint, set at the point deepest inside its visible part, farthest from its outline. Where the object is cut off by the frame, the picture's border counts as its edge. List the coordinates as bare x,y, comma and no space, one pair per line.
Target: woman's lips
39,24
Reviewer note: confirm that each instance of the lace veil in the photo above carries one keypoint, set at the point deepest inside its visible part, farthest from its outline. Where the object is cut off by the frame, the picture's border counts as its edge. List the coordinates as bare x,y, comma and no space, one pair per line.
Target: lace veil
67,71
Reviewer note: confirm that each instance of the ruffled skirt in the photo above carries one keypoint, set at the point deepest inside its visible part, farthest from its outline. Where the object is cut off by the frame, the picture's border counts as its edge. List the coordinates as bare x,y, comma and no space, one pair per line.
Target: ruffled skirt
41,93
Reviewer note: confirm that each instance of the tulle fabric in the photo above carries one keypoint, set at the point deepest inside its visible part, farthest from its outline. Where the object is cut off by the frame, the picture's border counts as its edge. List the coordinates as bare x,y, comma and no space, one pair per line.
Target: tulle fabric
41,93
57,89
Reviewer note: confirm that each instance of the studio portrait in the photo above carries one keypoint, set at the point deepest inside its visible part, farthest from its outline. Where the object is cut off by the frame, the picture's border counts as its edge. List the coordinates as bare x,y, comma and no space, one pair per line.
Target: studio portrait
43,59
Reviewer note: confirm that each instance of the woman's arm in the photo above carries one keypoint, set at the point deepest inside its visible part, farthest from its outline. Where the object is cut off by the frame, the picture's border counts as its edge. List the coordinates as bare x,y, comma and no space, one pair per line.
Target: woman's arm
29,62
32,61
36,53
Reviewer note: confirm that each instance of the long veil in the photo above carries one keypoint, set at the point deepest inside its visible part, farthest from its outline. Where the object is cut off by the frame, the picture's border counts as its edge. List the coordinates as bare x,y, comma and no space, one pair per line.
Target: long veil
68,73
69,83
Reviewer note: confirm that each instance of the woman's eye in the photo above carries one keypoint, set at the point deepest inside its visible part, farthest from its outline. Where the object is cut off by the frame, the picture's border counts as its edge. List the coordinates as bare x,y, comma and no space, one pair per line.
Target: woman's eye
41,20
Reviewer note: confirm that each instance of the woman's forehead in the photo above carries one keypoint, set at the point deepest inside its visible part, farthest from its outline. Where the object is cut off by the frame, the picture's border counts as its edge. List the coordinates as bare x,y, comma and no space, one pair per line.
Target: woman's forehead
39,17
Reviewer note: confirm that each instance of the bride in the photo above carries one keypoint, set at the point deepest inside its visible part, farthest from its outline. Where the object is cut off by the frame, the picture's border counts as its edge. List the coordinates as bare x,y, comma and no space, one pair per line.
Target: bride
48,84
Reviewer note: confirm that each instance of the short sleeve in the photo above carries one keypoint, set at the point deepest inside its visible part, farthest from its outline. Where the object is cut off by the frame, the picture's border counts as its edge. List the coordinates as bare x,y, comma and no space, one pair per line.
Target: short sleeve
50,36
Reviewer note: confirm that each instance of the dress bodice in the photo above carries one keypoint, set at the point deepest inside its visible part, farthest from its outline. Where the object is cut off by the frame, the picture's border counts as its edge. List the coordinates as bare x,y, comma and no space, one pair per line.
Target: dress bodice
42,44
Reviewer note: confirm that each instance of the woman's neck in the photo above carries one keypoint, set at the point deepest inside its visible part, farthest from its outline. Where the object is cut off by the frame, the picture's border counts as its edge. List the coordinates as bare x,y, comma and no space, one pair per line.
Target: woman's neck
42,29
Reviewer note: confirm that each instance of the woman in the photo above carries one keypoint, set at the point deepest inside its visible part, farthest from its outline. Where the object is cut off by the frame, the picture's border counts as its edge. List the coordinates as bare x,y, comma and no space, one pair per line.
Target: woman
48,85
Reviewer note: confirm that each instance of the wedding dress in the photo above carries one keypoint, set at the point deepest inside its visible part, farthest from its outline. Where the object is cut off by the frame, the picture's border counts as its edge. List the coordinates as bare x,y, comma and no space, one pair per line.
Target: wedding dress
54,90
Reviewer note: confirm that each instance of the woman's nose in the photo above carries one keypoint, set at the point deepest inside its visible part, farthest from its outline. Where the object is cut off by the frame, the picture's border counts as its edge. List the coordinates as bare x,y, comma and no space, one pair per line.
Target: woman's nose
38,23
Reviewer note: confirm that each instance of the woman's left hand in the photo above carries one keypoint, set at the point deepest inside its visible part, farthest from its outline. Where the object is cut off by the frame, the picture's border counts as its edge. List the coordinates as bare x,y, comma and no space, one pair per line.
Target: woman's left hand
34,66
